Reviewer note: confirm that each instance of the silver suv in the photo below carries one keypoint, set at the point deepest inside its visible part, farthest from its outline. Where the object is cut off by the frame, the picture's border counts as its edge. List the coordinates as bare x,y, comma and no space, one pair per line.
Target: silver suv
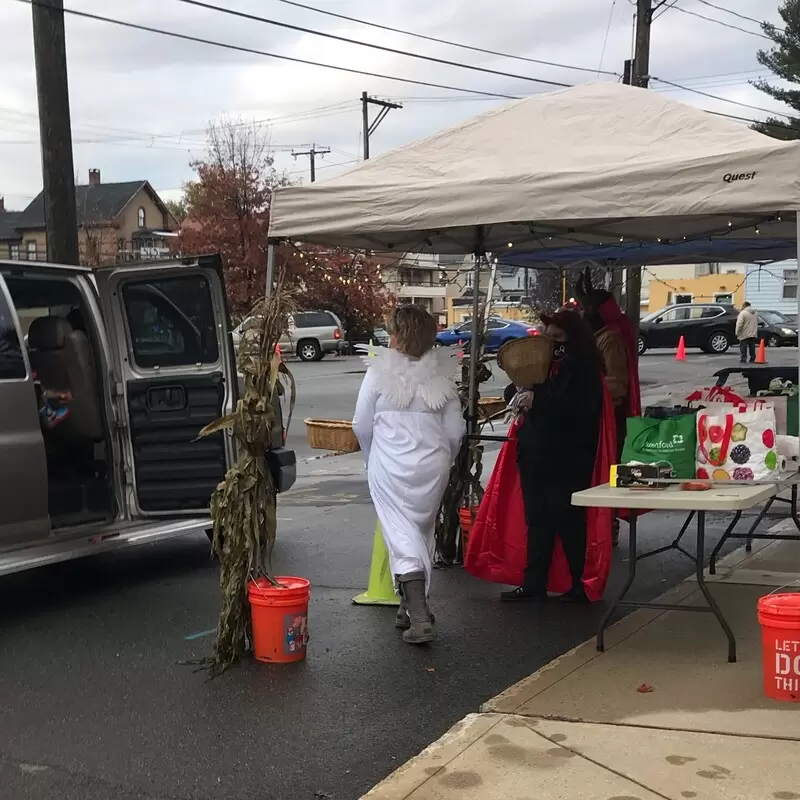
311,334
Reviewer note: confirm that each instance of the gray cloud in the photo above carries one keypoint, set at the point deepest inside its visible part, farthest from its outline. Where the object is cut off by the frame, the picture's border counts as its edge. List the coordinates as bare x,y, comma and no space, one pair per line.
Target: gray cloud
130,89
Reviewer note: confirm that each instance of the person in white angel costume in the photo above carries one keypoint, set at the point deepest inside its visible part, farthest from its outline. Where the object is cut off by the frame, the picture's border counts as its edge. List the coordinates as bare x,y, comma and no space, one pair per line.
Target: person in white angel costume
410,424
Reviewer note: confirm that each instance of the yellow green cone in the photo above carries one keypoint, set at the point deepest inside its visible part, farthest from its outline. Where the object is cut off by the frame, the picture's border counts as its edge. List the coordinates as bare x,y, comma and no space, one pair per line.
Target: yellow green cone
380,590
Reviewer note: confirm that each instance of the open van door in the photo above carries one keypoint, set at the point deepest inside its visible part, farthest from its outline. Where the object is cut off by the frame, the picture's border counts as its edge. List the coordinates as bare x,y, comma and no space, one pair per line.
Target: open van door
175,372
24,513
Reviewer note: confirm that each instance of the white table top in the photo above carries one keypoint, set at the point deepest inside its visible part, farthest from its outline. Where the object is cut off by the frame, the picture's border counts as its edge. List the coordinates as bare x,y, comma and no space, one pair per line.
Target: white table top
737,497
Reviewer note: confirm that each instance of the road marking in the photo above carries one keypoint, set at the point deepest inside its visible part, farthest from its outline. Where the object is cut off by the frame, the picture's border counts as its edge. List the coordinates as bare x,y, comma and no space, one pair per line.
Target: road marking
200,635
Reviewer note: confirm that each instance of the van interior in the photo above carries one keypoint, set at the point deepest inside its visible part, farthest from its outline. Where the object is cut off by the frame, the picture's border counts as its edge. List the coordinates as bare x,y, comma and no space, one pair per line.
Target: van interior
62,345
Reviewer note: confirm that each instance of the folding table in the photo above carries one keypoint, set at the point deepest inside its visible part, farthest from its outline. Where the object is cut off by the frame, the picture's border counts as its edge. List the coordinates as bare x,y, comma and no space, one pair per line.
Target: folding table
734,498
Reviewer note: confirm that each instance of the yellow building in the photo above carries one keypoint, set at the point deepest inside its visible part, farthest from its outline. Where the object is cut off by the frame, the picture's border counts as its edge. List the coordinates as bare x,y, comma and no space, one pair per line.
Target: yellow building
720,288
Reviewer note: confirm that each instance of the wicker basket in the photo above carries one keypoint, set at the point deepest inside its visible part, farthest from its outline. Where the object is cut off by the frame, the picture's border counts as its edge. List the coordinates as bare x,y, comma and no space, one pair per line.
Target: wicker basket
489,406
331,434
527,360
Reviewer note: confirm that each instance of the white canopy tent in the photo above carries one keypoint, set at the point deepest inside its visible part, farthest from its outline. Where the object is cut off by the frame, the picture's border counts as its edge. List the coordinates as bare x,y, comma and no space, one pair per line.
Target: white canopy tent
595,165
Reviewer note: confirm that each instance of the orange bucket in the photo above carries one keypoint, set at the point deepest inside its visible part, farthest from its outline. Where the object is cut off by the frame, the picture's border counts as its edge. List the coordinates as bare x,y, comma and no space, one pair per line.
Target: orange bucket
779,615
466,518
280,619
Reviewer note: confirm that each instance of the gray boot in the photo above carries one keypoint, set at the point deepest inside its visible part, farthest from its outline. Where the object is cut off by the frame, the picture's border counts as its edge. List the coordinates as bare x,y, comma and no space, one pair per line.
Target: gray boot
420,629
402,621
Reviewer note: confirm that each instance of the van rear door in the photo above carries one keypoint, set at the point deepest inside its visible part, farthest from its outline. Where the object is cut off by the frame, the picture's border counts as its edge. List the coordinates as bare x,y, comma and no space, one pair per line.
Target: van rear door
176,373
24,513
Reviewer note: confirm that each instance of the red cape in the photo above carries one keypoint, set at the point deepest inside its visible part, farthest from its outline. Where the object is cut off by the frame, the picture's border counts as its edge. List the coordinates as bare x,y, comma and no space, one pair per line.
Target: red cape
613,318
498,544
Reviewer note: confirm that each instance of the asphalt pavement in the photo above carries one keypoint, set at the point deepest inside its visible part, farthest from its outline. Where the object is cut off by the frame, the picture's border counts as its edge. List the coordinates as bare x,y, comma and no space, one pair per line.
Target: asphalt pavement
96,702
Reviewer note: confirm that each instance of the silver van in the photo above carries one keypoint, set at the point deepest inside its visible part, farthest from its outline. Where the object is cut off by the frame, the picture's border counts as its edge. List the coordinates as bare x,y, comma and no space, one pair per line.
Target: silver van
144,351
311,335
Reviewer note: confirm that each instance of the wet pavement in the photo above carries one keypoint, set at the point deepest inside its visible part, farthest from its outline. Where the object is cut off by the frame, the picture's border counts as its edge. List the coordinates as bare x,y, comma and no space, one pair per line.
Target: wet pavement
95,702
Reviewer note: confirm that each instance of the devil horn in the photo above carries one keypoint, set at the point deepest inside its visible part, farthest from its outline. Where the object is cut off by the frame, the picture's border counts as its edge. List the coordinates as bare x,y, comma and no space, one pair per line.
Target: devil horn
580,291
587,280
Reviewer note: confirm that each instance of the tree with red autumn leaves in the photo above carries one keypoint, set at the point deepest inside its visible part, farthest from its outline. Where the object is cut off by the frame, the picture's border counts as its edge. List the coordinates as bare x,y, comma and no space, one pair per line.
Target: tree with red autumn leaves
227,212
338,280
228,207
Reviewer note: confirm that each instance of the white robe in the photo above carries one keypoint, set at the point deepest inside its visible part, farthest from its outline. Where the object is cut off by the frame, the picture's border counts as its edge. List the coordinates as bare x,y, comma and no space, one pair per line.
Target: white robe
410,424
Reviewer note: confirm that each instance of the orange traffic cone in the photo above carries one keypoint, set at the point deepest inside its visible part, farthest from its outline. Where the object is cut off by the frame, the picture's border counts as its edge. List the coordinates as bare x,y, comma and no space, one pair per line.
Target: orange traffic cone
761,355
681,354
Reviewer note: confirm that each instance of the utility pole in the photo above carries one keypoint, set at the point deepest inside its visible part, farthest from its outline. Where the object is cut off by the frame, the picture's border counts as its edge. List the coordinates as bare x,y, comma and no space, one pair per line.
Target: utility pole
640,76
55,133
312,154
370,127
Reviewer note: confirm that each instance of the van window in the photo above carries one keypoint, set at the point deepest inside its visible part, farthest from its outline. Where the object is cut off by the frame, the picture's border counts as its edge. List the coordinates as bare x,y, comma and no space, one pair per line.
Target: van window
314,319
12,365
171,322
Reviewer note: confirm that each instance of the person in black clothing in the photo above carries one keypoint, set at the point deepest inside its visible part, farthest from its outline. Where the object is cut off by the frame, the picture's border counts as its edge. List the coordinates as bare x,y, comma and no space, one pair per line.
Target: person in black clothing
556,451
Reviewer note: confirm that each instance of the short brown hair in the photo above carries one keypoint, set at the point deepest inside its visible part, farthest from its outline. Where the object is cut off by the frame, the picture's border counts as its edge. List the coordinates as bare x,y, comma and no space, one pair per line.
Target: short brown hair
413,328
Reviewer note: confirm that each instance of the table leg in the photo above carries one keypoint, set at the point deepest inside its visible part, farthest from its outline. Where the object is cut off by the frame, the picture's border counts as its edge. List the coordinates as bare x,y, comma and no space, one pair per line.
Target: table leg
761,514
712,564
601,632
701,582
795,516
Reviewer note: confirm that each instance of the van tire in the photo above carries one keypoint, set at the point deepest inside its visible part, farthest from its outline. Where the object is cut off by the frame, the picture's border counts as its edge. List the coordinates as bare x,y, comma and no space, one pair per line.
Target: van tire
309,350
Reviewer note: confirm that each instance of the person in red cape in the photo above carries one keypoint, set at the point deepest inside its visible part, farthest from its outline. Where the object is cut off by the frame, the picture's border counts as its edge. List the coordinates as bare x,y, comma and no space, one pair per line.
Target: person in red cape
617,340
527,531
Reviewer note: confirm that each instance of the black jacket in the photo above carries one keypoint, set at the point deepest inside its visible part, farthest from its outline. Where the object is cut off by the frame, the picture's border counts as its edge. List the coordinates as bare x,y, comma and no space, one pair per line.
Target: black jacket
558,436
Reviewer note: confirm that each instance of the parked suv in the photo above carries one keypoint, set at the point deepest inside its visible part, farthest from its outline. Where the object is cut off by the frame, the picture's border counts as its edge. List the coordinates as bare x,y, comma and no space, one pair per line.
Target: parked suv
310,336
710,327
144,352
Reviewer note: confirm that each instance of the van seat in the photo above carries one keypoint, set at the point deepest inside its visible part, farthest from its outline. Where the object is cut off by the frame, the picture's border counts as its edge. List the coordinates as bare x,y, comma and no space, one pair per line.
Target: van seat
63,360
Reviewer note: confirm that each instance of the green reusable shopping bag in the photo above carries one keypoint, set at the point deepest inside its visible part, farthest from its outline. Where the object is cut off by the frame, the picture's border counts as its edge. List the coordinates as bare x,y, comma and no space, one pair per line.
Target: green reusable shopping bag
670,441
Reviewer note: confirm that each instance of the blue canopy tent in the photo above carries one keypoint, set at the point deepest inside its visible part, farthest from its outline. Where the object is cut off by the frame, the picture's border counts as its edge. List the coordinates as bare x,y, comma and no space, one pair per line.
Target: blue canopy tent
751,251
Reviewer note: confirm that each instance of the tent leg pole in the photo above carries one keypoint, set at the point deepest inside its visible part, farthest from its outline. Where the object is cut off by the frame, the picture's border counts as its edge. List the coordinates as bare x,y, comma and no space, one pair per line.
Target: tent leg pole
633,294
472,407
798,291
270,270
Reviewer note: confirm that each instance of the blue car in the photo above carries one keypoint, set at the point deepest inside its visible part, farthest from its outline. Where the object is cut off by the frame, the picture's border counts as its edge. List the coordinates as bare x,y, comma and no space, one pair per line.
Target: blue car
499,332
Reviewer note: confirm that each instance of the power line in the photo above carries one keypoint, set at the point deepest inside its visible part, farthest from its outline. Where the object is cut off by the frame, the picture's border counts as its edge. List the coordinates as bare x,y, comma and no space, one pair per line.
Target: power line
147,139
251,51
720,22
667,7
447,42
736,14
605,38
722,99
395,51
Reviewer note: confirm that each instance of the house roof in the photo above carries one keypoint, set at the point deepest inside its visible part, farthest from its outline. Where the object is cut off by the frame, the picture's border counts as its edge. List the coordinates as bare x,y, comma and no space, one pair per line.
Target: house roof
96,203
8,224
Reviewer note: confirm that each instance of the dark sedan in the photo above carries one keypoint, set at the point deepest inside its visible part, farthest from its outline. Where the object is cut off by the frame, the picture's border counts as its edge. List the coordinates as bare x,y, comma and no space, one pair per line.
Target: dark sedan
776,329
709,327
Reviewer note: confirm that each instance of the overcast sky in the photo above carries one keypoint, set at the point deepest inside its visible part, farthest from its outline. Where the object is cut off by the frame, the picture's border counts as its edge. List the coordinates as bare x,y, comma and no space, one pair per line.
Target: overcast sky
141,102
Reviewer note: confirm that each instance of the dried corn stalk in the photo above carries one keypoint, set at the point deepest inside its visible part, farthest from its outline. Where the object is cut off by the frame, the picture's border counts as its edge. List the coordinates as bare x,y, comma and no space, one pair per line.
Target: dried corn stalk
243,506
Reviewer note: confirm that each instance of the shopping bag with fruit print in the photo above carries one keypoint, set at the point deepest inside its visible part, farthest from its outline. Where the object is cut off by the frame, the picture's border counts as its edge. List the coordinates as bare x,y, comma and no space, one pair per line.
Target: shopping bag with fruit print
736,445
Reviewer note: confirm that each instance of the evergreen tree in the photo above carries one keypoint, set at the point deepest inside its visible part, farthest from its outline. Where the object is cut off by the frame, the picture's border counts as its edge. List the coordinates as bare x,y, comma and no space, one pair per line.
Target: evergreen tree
783,60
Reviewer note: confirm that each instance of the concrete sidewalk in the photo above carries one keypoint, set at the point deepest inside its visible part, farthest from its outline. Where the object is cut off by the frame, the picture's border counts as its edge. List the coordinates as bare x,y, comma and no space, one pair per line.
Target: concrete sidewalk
660,714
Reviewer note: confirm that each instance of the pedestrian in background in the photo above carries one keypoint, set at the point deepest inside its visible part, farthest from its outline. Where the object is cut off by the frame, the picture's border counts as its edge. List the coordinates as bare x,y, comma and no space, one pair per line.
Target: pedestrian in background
410,424
747,332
